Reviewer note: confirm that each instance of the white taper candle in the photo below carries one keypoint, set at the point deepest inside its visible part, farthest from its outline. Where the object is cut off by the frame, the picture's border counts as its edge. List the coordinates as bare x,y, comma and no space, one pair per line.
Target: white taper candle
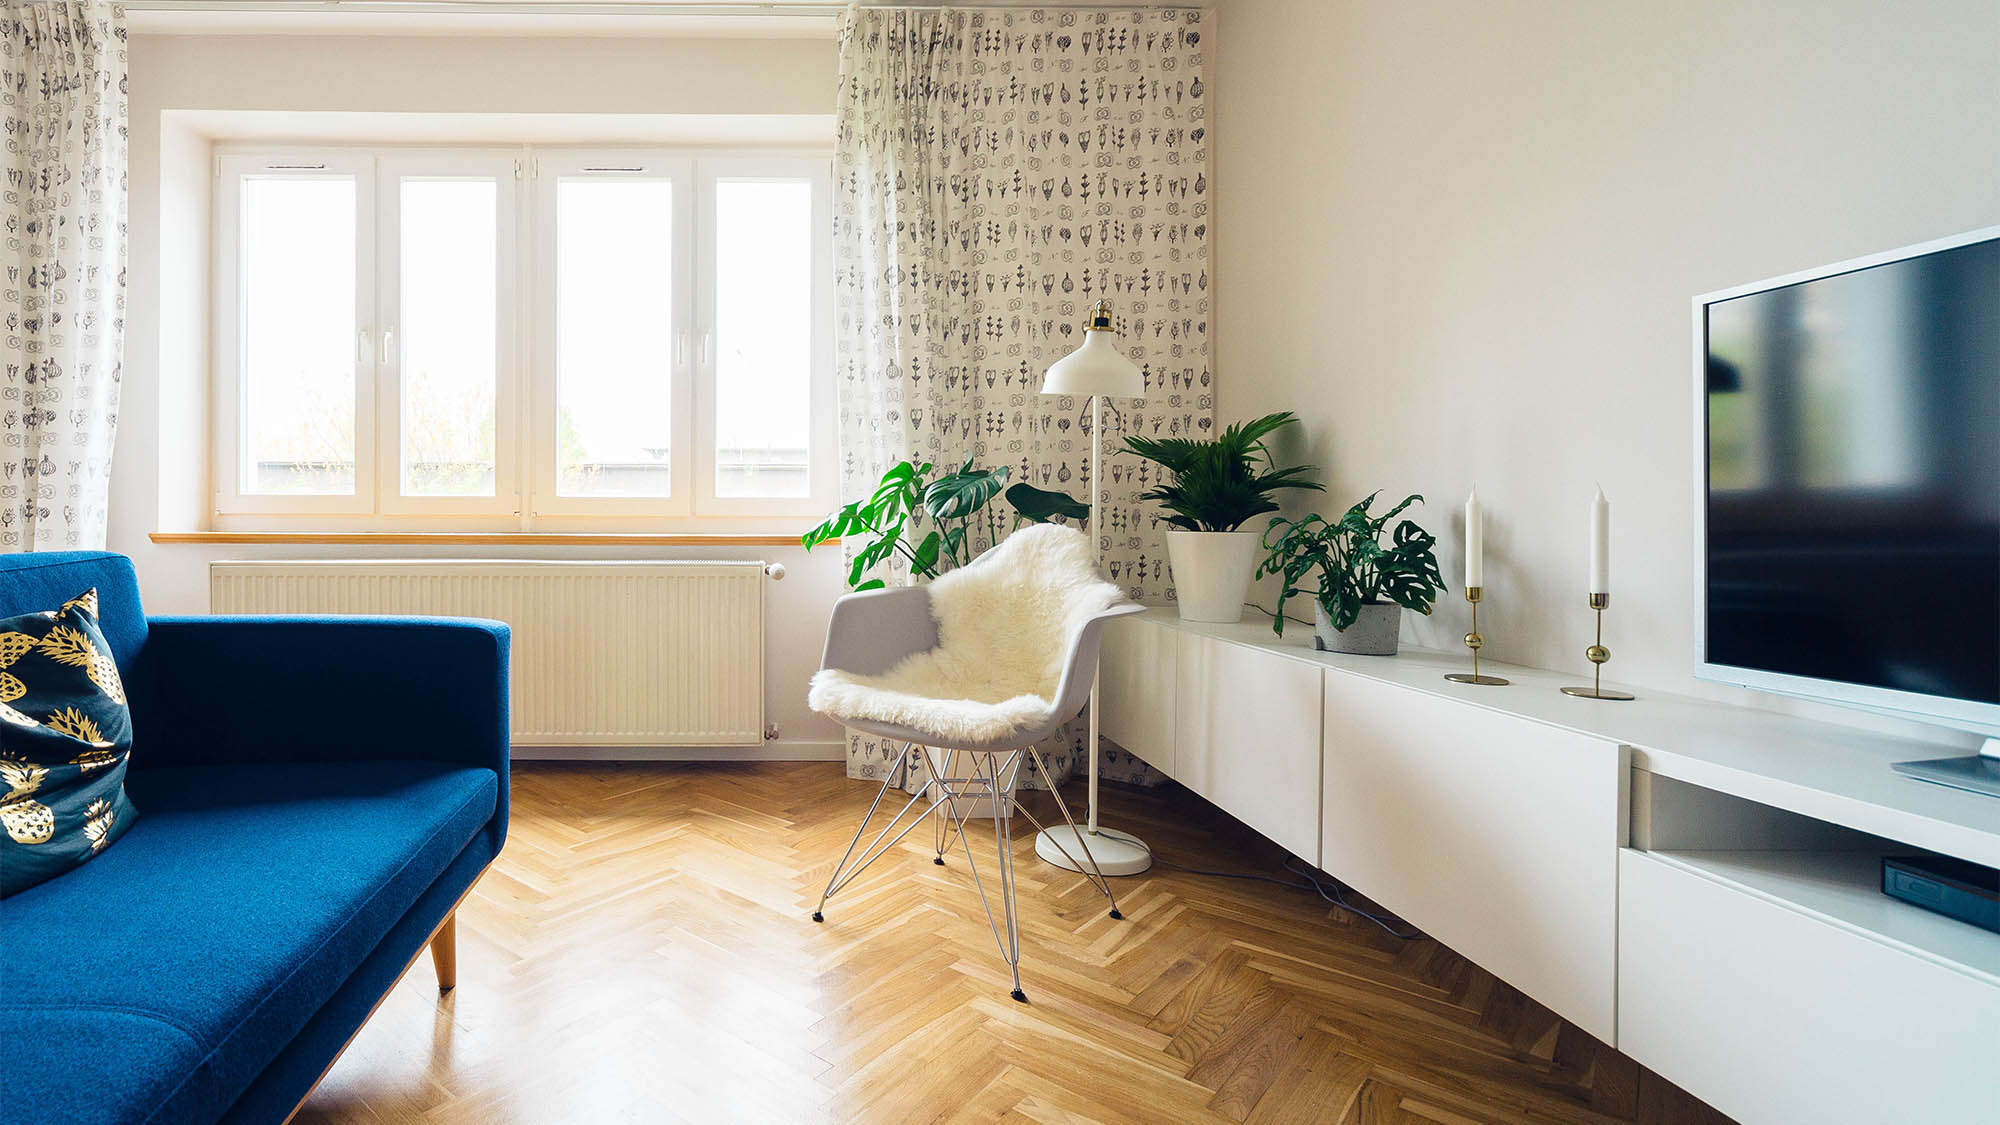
1475,542
1600,544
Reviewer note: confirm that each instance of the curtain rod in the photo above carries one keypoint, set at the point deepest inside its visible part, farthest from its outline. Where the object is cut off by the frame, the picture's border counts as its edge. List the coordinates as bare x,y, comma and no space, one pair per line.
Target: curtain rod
584,7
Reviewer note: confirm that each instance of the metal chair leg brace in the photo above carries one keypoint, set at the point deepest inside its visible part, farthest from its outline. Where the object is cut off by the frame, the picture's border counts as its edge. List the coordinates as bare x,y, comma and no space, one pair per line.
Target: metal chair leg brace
997,785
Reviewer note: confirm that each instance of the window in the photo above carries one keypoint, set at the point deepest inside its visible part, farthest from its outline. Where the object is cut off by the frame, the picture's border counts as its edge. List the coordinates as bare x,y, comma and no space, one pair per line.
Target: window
522,334
760,291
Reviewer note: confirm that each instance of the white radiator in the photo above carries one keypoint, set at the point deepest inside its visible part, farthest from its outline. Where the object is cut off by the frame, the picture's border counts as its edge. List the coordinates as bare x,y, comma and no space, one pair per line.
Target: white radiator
604,653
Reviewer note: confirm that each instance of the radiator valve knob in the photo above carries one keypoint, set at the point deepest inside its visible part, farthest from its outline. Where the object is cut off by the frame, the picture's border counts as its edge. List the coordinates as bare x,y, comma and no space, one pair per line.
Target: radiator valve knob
776,571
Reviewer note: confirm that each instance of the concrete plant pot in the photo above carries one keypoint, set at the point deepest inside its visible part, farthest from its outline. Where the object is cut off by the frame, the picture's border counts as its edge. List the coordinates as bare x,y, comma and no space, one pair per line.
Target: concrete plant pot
1374,633
1212,572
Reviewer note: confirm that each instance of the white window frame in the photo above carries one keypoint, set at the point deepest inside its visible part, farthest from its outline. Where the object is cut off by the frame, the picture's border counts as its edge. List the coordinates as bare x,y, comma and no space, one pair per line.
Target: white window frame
525,473
551,168
230,452
822,492
447,164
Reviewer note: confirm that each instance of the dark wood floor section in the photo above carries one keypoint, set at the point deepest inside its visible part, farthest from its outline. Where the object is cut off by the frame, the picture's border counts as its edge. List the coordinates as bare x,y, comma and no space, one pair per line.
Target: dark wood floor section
643,951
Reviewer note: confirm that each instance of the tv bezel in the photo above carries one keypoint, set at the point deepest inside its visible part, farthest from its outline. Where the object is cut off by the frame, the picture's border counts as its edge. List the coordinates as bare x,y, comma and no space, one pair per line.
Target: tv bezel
1958,714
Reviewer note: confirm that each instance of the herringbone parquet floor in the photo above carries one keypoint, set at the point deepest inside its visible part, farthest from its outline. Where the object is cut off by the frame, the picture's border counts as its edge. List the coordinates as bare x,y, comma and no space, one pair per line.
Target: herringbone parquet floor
642,951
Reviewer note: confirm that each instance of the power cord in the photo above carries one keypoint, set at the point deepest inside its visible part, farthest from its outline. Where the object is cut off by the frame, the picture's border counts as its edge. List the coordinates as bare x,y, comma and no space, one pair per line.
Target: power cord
1269,613
1308,880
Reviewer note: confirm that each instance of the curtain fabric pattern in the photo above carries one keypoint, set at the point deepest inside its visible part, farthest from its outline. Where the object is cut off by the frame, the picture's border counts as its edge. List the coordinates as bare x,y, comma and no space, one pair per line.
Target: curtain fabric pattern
62,206
996,172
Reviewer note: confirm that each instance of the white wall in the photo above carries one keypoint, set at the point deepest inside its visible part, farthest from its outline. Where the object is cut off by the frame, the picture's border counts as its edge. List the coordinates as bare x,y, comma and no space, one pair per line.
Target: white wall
1460,239
158,484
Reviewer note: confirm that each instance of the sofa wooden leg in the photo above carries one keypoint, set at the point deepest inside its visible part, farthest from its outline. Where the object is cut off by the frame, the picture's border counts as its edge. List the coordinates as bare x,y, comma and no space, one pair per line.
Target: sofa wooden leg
444,954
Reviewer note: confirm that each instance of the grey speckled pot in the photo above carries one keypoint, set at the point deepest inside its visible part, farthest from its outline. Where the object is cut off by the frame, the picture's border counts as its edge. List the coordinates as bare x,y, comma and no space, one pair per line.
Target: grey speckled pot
1373,633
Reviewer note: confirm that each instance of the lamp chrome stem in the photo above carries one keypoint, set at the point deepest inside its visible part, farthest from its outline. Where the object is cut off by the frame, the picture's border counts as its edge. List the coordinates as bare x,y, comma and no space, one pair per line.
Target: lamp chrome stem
1096,549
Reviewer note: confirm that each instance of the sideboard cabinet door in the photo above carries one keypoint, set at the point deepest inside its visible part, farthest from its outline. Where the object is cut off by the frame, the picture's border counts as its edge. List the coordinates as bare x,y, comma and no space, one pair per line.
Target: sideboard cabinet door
1496,835
1248,738
1136,689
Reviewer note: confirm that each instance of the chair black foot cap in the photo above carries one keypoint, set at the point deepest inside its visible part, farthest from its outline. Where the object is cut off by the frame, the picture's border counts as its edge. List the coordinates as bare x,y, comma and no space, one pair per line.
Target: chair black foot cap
818,917
1115,914
1019,995
939,861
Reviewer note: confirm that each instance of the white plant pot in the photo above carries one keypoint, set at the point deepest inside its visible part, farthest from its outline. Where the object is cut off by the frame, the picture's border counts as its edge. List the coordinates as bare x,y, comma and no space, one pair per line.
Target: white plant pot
1212,572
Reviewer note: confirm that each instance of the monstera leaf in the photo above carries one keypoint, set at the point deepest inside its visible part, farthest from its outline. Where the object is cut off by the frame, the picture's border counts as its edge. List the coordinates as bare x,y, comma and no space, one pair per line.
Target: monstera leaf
958,495
1040,505
927,523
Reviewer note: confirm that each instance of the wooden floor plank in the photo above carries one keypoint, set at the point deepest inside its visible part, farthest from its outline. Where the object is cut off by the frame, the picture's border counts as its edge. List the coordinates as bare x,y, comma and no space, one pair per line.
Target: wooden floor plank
643,951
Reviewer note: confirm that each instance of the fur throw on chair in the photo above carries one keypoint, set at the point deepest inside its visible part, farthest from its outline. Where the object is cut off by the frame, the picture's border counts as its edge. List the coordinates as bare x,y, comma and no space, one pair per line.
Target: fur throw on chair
1005,624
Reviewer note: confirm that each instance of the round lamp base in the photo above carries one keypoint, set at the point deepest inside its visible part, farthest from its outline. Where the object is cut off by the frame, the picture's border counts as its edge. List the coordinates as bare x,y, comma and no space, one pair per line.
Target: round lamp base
1116,853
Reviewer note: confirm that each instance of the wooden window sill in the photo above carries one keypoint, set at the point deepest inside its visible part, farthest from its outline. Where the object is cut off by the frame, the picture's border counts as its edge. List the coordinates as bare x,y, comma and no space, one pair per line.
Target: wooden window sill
482,538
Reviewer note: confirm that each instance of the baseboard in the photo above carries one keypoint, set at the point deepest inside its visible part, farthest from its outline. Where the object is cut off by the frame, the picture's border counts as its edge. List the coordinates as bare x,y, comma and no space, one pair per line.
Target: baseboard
782,750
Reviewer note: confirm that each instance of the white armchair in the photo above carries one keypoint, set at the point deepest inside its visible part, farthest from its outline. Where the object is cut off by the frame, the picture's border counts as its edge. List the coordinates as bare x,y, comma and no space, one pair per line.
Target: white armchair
975,669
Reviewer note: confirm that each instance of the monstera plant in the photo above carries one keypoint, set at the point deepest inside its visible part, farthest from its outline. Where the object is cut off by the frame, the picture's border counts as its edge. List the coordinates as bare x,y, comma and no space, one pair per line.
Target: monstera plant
924,518
1361,583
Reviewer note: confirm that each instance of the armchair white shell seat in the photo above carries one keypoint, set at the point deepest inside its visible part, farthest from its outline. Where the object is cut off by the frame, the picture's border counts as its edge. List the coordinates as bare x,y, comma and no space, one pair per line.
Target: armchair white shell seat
985,662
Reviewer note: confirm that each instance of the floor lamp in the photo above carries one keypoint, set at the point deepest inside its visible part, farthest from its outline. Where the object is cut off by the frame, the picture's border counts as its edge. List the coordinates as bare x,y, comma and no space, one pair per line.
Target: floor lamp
1096,369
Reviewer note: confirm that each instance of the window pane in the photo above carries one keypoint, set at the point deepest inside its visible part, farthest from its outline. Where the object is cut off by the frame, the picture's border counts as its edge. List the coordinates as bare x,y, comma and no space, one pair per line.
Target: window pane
764,330
299,338
450,272
614,326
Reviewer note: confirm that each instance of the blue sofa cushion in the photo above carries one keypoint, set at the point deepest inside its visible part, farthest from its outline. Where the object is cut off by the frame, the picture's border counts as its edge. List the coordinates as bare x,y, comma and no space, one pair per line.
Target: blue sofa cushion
261,889
65,739
41,579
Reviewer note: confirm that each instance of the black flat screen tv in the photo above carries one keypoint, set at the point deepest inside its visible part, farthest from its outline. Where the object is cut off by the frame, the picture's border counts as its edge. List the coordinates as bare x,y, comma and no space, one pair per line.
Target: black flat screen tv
1848,472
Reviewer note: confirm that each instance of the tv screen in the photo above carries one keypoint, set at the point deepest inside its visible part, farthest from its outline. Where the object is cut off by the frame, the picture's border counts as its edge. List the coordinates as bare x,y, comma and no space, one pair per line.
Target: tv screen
1853,467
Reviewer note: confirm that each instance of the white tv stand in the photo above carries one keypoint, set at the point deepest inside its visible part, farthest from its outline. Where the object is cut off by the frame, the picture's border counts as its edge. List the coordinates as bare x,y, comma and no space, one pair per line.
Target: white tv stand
1694,883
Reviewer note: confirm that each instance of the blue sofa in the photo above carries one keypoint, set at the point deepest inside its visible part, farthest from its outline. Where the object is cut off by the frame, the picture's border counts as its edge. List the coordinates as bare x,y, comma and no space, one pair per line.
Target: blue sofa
314,794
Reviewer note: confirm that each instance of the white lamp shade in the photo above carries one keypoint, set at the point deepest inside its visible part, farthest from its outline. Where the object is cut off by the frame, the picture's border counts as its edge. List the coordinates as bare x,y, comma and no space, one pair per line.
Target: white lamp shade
1096,368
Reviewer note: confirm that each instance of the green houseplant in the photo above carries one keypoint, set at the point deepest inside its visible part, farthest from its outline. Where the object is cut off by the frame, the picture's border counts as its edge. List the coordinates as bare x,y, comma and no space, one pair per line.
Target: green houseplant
1212,488
924,518
1362,584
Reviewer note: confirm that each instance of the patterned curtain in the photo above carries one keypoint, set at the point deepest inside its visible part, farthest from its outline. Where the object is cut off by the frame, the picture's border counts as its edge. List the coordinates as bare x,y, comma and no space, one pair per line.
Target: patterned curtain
995,173
63,208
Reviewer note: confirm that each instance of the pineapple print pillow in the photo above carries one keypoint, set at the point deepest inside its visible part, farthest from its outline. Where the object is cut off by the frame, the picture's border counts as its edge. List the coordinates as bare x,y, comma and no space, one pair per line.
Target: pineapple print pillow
65,735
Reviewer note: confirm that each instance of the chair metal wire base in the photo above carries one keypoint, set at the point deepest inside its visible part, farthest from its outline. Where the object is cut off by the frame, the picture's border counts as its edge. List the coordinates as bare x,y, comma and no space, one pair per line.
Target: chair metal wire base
996,784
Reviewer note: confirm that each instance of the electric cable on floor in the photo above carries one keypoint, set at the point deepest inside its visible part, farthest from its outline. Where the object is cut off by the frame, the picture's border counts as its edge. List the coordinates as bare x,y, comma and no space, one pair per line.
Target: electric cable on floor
1308,880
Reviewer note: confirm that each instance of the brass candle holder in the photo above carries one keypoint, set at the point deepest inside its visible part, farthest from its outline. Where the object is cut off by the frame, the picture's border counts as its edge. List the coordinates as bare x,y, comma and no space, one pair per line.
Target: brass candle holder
1475,642
1597,654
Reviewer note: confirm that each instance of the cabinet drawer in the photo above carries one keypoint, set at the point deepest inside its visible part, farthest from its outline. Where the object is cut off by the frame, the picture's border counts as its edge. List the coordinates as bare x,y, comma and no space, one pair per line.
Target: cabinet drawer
1136,689
1771,1014
1248,738
1496,835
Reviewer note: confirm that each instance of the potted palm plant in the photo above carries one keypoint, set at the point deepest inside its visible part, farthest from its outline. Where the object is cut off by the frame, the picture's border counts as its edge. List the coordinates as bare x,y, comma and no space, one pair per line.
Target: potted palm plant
1363,584
1212,489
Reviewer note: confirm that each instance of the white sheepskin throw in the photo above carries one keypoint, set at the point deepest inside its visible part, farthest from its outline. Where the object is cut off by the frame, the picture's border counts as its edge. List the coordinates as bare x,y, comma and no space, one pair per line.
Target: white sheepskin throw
1004,629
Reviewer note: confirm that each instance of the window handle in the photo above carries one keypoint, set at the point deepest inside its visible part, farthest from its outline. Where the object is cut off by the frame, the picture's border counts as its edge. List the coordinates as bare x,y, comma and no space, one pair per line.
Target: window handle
681,349
361,350
388,344
706,336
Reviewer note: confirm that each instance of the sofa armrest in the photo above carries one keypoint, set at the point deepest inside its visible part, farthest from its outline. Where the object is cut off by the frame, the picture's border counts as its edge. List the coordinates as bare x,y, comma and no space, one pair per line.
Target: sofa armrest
230,689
